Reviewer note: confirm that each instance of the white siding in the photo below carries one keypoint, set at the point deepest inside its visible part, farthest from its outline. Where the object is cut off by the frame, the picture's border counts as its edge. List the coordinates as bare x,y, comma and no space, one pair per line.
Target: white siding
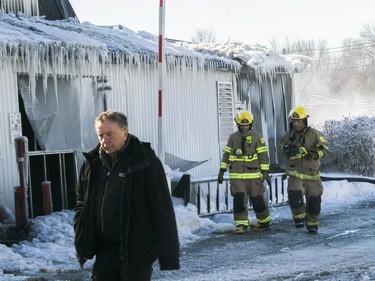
190,110
9,103
191,113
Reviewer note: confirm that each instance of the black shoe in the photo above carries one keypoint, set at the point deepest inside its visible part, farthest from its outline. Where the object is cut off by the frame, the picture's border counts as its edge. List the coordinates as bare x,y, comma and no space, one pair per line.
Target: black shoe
312,229
299,224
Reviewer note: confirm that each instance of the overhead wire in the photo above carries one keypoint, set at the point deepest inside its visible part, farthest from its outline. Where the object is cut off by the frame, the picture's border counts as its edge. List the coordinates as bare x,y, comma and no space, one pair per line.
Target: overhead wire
348,53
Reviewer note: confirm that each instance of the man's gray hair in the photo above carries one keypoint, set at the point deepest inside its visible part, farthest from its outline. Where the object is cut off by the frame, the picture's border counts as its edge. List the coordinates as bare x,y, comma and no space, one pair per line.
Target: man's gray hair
113,116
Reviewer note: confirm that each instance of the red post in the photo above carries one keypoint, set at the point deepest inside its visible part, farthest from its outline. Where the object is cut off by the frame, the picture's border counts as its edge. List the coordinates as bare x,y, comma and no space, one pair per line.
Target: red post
22,218
161,65
47,197
21,206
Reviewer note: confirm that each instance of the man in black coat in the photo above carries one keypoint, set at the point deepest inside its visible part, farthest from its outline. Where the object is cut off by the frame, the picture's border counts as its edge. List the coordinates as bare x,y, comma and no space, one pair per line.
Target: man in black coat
124,212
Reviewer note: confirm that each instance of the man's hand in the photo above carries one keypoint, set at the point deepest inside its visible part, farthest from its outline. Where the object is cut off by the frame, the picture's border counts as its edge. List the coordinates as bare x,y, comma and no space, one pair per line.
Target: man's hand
220,176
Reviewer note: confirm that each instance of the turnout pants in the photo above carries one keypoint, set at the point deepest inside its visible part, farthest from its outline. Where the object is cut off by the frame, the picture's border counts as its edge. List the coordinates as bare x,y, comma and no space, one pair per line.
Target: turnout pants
243,191
305,200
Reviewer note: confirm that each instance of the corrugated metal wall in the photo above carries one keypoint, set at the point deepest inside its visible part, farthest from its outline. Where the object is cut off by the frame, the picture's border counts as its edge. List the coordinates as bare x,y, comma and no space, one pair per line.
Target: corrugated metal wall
9,103
56,9
192,118
190,110
29,7
269,100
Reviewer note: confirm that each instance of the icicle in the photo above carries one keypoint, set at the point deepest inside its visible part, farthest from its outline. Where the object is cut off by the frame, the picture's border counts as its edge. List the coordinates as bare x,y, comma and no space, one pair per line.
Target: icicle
32,57
43,65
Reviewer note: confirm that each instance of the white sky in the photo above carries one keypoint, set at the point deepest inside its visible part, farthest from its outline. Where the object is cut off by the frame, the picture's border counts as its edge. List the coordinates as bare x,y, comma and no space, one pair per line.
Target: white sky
52,249
248,21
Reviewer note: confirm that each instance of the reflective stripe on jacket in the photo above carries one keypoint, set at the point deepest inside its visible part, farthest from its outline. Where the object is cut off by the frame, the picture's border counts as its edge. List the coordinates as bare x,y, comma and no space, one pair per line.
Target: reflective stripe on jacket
300,166
245,155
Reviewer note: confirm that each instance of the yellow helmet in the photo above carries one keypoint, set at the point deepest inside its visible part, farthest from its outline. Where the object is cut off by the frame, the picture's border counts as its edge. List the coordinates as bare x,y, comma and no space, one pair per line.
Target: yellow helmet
298,113
244,118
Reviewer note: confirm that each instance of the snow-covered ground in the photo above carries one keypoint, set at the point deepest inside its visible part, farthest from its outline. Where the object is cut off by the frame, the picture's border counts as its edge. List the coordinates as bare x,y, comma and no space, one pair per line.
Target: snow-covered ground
51,250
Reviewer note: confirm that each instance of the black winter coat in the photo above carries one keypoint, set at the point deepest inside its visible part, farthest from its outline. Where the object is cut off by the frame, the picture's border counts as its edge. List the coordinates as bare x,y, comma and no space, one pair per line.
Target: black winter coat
148,228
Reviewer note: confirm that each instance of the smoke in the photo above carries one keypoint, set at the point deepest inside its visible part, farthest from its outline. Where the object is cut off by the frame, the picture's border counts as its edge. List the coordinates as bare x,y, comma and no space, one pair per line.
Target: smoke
326,99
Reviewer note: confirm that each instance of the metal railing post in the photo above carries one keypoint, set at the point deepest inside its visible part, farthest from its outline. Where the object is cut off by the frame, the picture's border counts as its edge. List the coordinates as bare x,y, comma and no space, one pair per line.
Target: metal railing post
208,198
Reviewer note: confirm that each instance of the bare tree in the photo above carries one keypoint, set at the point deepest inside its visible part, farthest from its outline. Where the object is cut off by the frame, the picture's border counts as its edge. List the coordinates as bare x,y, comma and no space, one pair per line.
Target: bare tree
368,32
274,45
204,36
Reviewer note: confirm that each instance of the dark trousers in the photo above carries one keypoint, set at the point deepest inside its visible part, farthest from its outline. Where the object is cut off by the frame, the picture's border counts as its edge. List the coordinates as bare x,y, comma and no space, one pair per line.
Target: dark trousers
109,267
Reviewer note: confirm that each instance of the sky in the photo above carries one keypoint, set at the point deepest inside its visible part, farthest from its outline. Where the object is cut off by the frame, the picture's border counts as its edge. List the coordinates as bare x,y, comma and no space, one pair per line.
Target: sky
52,248
255,21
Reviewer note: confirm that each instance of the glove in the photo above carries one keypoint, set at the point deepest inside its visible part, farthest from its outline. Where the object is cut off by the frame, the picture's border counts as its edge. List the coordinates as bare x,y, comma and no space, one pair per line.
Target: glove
314,154
266,177
290,149
303,151
220,176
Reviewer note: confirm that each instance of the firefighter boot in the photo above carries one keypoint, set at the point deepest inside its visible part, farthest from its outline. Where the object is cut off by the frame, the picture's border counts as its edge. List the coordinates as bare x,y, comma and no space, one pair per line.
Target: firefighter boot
259,227
240,229
313,229
299,223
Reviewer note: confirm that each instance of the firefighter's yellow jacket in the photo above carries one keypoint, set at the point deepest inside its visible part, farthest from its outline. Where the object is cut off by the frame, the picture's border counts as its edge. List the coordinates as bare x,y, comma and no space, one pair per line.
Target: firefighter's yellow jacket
300,164
245,155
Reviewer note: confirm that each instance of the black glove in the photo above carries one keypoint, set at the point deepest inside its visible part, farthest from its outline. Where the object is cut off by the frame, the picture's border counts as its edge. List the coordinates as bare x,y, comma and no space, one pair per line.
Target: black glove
309,155
313,154
220,176
290,149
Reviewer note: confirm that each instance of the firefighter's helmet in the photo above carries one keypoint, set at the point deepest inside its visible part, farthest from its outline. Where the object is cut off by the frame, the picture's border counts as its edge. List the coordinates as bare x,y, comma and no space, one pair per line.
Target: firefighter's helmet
298,113
244,118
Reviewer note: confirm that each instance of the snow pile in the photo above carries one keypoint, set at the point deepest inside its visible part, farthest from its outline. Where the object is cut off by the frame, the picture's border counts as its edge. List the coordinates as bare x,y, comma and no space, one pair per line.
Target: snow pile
258,57
351,144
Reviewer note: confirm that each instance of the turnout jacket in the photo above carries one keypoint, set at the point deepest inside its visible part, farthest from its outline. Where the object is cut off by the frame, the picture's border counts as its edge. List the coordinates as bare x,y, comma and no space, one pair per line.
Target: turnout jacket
300,163
245,155
145,229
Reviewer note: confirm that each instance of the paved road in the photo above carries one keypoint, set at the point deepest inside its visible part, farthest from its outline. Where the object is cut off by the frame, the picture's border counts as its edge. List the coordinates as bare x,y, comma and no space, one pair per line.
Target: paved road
344,249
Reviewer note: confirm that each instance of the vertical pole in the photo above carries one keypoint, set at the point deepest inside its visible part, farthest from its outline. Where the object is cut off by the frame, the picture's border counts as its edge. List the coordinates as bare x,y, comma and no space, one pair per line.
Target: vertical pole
47,197
208,197
218,197
161,149
199,199
22,218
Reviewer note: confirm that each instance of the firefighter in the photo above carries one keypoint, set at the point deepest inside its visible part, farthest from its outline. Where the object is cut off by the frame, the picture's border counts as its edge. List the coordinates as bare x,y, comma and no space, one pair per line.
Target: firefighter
246,156
303,147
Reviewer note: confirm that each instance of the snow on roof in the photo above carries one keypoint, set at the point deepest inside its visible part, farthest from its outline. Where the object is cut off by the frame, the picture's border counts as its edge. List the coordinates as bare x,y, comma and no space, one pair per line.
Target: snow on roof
258,57
21,34
70,39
